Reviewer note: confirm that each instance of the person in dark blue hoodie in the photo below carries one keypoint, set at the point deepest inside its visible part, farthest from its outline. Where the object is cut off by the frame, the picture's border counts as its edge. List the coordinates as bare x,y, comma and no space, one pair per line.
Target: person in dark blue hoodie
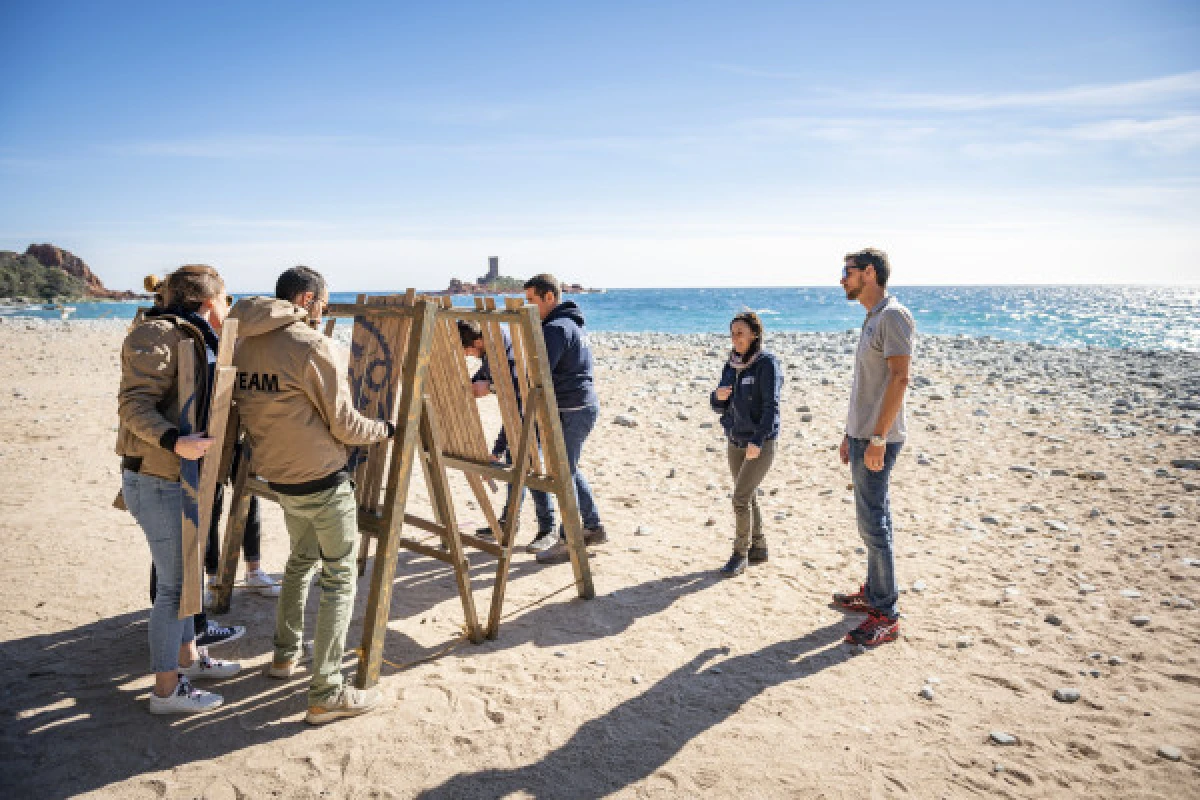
747,398
572,371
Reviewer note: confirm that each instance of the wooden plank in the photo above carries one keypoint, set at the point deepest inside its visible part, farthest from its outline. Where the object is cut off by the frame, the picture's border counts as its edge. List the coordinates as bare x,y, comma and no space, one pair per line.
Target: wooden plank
501,473
191,601
235,530
458,418
555,451
411,410
439,495
521,346
506,392
524,443
219,402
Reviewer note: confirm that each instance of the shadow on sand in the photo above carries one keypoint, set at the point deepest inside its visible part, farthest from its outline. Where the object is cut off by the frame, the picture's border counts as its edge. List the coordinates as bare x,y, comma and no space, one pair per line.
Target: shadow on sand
67,692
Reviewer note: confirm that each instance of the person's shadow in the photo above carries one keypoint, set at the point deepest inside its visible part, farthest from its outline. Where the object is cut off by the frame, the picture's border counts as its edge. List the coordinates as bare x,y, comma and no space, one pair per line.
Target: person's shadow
68,696
642,734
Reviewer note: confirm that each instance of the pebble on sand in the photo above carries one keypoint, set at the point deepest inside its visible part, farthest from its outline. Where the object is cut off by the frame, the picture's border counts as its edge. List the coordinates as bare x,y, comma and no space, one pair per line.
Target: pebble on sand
1000,737
1141,620
1170,753
1068,695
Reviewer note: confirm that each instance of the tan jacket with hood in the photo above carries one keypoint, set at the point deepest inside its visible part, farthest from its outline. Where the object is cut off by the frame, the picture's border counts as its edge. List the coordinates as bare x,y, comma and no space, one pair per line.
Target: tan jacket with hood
293,395
148,400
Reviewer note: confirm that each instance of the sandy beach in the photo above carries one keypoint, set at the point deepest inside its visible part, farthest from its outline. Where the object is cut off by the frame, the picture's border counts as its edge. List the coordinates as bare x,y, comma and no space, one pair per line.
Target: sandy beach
1047,506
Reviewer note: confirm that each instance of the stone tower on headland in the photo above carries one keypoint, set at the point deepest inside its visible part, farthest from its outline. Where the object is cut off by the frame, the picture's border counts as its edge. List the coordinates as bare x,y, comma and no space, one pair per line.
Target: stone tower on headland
493,271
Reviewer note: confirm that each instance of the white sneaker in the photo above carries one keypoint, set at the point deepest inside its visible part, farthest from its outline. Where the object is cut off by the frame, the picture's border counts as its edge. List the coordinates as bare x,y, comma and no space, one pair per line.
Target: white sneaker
185,700
263,583
205,667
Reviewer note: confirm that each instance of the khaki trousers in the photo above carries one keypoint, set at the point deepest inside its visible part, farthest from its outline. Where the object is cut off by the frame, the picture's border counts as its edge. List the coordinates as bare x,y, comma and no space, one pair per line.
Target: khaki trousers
747,475
323,527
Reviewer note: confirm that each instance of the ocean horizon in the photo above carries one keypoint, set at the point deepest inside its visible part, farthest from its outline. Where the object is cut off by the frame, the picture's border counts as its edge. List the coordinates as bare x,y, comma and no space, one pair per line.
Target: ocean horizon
1131,317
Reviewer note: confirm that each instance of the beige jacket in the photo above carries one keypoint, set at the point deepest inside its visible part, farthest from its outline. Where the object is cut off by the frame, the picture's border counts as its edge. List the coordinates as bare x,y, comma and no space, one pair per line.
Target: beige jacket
293,396
148,400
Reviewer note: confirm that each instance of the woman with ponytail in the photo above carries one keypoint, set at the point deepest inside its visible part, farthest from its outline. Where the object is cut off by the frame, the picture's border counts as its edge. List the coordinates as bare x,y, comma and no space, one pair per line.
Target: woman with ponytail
747,398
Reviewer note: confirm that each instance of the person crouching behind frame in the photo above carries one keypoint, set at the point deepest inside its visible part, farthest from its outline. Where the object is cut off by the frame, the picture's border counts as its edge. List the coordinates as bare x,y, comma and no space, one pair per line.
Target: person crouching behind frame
294,398
747,398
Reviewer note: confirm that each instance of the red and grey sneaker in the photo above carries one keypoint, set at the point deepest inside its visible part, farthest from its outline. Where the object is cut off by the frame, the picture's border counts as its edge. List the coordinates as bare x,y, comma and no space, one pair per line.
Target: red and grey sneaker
874,630
852,602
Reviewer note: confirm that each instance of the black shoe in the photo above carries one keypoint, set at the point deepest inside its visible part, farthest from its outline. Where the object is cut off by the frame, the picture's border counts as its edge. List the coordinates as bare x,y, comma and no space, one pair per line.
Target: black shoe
757,554
736,565
219,634
596,535
486,532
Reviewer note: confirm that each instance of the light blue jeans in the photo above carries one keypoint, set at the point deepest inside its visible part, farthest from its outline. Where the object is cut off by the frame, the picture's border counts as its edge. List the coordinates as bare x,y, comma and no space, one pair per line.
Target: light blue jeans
874,512
156,504
576,425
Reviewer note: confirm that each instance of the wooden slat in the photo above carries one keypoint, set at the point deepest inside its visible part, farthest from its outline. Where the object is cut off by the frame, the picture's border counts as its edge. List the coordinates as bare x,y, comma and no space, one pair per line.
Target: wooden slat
524,443
506,392
235,530
500,472
439,494
521,346
191,601
219,401
555,450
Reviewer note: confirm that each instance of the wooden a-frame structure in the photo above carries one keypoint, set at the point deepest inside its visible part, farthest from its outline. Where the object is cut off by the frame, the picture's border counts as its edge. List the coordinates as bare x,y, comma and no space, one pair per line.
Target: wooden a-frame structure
407,366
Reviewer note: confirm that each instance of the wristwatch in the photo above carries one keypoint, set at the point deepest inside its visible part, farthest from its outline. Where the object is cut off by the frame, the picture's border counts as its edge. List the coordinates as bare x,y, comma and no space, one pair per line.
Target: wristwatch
878,441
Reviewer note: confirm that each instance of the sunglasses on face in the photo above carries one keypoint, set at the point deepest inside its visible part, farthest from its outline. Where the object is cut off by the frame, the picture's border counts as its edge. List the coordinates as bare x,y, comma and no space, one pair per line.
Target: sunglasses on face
846,270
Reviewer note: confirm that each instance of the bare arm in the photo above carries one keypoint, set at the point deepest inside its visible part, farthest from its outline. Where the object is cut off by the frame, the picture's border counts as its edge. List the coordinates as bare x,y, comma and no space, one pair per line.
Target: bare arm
893,395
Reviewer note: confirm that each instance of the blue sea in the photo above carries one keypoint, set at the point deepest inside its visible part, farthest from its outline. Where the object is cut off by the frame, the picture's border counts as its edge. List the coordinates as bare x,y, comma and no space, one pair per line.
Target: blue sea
1138,317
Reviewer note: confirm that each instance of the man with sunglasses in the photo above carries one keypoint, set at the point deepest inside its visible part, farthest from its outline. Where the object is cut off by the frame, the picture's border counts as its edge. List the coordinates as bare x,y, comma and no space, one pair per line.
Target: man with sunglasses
294,398
875,433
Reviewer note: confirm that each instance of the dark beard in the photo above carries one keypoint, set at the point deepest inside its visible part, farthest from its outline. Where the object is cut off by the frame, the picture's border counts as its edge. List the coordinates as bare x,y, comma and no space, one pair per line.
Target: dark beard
852,294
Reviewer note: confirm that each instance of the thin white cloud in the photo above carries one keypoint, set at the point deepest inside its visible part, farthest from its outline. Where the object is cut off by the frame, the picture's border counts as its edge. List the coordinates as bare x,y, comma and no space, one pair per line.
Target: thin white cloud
1114,95
1176,134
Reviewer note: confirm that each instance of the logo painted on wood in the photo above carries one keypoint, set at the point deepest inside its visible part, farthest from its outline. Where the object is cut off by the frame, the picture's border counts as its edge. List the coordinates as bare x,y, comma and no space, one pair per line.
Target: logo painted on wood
371,384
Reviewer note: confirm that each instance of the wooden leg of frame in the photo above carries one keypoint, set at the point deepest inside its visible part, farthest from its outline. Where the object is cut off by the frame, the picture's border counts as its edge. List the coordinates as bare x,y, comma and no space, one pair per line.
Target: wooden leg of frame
235,530
439,495
510,527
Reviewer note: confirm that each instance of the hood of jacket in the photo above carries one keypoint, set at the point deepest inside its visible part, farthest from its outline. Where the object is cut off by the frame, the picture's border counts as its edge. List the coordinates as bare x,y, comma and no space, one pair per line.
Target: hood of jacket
259,315
565,310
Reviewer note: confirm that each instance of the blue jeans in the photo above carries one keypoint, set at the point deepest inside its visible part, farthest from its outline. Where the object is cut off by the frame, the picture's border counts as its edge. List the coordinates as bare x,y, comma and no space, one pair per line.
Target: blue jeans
874,513
156,504
543,503
576,425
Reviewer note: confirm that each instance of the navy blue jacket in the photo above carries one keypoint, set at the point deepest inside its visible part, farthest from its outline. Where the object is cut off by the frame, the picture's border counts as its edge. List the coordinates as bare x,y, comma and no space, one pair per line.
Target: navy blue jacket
485,374
571,366
751,414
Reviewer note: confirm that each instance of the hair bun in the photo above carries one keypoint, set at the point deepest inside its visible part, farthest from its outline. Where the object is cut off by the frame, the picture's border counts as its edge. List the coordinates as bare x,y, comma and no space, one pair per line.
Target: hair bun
152,283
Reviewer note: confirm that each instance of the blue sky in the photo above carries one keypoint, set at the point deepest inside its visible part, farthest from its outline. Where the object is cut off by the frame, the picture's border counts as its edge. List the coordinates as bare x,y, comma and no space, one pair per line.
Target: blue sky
674,144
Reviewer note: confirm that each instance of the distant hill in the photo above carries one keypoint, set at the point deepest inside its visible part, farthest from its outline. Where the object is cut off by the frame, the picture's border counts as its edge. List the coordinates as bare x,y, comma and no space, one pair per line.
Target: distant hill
46,272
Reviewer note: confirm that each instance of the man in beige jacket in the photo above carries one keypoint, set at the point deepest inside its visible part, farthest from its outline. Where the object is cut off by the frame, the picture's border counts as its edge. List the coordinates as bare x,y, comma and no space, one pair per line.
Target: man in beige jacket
294,399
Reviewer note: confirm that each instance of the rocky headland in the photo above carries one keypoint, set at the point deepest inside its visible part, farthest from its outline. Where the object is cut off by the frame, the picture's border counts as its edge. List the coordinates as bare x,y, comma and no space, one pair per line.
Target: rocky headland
47,272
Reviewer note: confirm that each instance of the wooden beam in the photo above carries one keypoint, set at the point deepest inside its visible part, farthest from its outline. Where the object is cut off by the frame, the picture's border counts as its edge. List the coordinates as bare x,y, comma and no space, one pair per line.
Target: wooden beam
500,473
513,511
404,448
219,400
555,451
191,599
235,531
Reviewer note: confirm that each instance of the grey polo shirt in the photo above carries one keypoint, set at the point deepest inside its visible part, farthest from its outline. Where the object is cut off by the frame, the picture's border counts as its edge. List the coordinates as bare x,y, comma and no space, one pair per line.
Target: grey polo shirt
888,331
